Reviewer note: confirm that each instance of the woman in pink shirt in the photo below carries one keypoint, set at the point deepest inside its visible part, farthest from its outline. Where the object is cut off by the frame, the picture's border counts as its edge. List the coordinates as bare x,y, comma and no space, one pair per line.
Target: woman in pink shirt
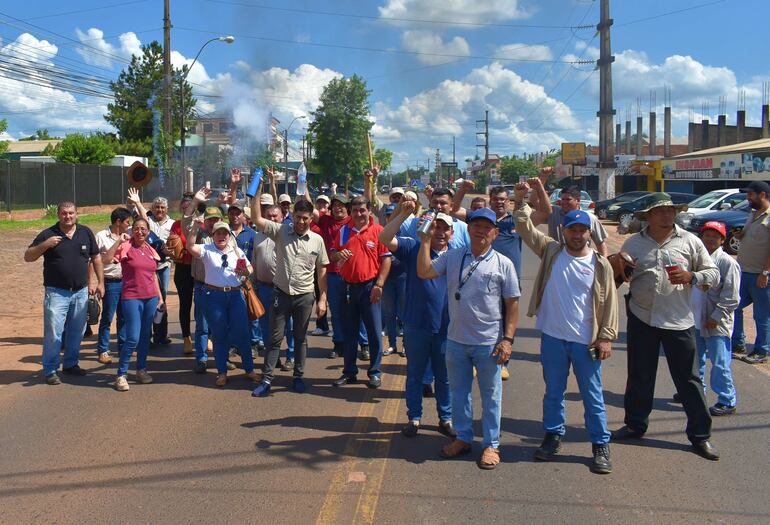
140,299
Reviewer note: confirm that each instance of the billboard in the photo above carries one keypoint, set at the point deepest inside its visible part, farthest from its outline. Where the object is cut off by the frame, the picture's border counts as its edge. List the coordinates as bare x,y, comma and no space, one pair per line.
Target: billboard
725,167
573,153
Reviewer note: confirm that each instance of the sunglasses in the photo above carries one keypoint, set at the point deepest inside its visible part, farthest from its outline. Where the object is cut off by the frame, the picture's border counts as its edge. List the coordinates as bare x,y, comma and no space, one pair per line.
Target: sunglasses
224,260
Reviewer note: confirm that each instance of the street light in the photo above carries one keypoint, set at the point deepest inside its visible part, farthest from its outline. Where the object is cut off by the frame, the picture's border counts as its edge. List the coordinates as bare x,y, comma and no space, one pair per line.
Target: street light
229,39
286,154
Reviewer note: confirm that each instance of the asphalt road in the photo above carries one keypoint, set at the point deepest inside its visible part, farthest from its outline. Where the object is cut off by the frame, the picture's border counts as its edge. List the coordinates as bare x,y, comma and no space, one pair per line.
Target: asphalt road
182,451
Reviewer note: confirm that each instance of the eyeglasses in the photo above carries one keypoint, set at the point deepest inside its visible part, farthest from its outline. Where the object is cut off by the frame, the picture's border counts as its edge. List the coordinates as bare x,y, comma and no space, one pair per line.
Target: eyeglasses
224,260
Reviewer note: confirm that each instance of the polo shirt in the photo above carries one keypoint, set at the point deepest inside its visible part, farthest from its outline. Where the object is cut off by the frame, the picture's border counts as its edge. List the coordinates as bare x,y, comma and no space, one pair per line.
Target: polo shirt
508,242
460,238
217,274
330,228
367,252
755,243
297,257
66,264
475,318
263,259
245,241
105,241
427,307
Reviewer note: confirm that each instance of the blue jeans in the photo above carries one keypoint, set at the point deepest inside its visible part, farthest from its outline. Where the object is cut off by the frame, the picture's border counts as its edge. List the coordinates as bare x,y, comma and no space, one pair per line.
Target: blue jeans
760,298
229,321
201,323
717,347
423,346
160,330
460,360
335,296
393,303
138,318
63,310
266,295
110,308
556,355
359,309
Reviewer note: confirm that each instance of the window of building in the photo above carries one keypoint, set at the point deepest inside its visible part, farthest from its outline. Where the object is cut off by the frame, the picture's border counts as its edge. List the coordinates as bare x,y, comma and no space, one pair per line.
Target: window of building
224,127
208,128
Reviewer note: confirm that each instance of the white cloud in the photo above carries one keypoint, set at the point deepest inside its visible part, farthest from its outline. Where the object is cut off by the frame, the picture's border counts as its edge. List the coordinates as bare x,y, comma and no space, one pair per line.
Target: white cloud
466,11
418,41
523,52
99,52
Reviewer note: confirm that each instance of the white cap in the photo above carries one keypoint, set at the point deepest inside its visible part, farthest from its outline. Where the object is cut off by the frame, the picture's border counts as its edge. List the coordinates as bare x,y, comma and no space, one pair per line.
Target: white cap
445,218
284,198
323,198
411,195
266,200
396,191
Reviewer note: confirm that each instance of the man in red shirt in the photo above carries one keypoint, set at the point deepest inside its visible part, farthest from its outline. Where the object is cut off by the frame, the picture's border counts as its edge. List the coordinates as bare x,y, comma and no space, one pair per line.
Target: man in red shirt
363,262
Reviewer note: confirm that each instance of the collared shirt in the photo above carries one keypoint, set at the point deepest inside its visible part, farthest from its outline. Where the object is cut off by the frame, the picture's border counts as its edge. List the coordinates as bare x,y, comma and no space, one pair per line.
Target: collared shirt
460,238
508,242
197,269
427,307
367,250
263,258
719,302
105,241
245,240
555,220
654,300
297,257
66,264
475,318
755,243
162,230
217,272
330,229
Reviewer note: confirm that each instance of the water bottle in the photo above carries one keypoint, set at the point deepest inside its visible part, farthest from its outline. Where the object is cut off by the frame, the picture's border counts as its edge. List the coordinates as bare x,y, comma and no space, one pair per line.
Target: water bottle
158,317
256,179
302,179
427,219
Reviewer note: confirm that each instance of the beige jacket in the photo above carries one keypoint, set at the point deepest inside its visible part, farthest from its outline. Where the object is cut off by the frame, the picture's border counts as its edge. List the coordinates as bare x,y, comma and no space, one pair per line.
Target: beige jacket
605,297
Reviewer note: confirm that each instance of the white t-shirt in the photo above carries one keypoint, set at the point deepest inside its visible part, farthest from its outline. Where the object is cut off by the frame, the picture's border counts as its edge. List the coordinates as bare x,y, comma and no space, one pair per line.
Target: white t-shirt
104,241
213,261
566,311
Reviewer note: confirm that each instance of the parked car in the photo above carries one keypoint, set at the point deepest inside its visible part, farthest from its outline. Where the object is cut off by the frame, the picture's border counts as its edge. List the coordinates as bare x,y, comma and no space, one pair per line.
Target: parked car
624,211
586,202
602,206
712,201
734,220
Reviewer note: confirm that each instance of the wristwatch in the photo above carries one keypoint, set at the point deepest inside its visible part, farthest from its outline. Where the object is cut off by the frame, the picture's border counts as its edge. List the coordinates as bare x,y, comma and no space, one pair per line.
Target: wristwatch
765,272
509,339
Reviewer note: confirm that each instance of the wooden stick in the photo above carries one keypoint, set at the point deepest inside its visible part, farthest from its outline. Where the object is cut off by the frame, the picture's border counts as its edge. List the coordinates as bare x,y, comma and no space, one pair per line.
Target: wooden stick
369,145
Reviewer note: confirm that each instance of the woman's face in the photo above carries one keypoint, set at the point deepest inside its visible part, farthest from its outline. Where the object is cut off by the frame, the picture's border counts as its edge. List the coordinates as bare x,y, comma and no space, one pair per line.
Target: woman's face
139,232
220,238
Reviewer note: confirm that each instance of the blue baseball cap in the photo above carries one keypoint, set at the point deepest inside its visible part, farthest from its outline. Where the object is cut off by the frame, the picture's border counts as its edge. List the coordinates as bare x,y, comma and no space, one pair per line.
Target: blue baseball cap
576,217
483,213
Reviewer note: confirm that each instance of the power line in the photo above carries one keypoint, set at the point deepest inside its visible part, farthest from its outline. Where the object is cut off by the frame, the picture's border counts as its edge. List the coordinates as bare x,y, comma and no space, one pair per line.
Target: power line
86,10
675,12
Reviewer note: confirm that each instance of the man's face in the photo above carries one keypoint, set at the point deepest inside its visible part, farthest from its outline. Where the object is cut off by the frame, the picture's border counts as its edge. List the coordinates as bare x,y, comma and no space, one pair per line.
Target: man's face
477,205
662,217
482,233
67,216
499,203
159,211
441,203
755,199
441,236
569,203
321,205
360,214
286,208
209,223
576,236
235,216
123,225
396,198
274,214
339,211
712,240
301,221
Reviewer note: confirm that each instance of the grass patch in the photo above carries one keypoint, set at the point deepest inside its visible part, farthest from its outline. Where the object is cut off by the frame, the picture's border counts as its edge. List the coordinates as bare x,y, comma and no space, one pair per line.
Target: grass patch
98,220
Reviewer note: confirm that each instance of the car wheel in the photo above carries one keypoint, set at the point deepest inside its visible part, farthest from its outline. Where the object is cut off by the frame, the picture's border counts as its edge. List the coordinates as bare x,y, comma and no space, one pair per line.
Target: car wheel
625,217
733,243
601,213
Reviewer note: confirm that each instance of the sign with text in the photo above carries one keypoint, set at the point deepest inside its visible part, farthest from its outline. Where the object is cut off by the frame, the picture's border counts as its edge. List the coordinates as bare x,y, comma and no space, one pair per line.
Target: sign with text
726,167
573,153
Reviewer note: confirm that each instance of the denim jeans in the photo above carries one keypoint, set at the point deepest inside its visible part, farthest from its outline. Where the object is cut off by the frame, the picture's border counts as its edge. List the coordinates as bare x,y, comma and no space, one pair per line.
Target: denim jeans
160,330
460,360
717,348
556,355
266,295
201,323
423,347
63,310
359,309
335,296
393,303
111,307
229,322
138,317
760,298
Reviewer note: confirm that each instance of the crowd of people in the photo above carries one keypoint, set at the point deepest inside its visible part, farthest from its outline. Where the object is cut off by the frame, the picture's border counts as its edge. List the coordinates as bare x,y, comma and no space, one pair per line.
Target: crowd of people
359,258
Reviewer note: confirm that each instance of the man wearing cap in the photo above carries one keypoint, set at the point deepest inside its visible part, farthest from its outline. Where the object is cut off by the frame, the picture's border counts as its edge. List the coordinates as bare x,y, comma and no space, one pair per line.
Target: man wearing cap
713,311
575,301
394,196
754,259
569,200
440,202
245,238
322,204
264,201
669,262
284,201
479,279
299,253
426,319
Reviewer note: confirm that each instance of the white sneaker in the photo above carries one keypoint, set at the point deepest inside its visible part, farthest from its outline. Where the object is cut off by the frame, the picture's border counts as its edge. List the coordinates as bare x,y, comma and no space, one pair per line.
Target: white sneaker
318,331
143,377
121,384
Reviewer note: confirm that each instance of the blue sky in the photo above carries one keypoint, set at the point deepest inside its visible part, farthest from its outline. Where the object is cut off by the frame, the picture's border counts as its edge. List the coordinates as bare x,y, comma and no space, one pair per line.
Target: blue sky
433,67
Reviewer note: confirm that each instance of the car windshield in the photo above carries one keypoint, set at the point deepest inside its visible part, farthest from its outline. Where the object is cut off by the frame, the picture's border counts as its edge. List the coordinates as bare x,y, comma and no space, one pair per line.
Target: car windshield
625,197
585,196
704,201
743,206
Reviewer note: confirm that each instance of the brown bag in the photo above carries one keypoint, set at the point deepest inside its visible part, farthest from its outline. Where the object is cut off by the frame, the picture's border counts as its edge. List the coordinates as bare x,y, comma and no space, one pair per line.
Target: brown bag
253,304
174,243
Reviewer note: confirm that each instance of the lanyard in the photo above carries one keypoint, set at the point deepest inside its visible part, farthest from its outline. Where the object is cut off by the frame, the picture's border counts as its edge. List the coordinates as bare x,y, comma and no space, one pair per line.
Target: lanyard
475,264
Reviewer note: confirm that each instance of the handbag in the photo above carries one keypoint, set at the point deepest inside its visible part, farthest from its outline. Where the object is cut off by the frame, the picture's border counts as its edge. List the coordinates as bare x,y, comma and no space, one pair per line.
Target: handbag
93,310
253,304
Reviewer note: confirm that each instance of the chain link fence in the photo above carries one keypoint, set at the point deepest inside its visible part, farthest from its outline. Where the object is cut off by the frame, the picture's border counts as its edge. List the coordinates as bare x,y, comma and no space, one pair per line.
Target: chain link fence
35,185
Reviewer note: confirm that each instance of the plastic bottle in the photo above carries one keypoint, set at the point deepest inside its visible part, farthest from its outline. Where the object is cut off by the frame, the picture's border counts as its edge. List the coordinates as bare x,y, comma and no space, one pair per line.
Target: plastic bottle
256,179
158,317
302,179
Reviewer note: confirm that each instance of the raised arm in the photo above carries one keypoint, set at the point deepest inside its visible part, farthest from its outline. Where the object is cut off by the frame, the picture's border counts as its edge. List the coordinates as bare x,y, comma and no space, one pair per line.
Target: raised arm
235,181
424,268
133,198
539,201
388,234
256,210
534,238
271,179
192,248
457,202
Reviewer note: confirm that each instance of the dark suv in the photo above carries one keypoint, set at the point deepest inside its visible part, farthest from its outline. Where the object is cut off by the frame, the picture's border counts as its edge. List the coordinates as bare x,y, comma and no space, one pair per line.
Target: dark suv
734,220
624,211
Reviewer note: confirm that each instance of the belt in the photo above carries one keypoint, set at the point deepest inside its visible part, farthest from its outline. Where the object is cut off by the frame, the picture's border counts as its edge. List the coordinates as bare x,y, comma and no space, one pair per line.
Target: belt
265,284
223,288
364,283
113,279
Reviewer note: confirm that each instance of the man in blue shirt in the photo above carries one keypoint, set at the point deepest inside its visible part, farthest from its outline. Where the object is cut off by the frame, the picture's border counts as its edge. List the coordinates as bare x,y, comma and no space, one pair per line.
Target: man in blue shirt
426,319
441,202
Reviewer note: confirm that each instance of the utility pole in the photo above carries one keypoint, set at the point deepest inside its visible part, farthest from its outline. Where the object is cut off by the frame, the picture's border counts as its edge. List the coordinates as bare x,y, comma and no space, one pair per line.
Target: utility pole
606,112
438,168
454,161
486,142
167,86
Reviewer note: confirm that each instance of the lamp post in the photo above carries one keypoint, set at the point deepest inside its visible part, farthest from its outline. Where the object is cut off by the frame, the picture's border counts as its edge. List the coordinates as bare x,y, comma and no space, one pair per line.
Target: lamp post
286,154
226,39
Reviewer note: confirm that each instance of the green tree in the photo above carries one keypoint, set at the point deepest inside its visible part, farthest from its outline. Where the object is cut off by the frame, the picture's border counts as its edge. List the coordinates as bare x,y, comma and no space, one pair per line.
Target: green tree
515,169
339,130
3,143
82,149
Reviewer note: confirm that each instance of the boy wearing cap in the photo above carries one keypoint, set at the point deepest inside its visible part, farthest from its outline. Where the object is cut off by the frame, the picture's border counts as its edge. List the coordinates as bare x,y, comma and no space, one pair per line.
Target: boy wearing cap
713,311
284,201
576,306
754,258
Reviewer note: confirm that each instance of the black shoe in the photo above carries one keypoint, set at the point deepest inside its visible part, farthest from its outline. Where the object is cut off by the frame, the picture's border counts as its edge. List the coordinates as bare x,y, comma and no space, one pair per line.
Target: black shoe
427,390
677,398
411,428
374,382
721,410
446,428
402,353
278,364
74,371
549,447
388,351
163,341
601,463
754,358
626,432
738,350
345,380
200,367
53,379
363,354
288,365
706,450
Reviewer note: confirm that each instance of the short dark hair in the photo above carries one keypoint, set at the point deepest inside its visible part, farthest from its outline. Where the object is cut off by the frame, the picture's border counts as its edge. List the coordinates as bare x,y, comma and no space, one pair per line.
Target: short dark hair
119,215
574,191
482,200
65,204
358,201
497,190
303,206
440,192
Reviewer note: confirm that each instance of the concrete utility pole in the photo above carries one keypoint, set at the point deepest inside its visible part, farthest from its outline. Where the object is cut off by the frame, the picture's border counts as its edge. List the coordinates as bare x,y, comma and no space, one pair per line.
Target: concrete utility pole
438,168
167,126
486,142
606,112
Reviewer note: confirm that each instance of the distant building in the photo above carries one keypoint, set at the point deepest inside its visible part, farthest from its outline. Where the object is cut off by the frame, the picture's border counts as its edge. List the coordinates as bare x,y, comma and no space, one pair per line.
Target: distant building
28,148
